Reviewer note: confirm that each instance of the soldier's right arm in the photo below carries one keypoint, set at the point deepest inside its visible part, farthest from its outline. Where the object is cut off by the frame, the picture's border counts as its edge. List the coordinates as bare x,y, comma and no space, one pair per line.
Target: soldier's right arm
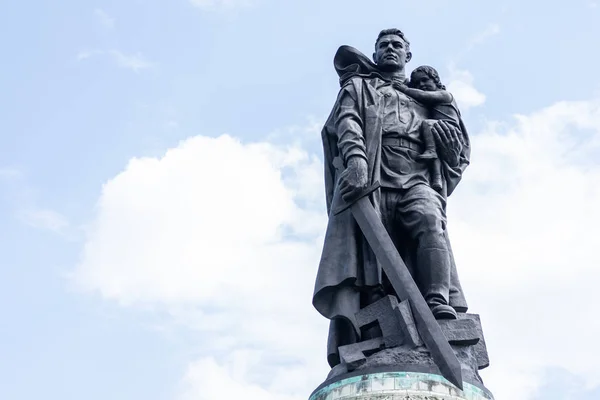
349,125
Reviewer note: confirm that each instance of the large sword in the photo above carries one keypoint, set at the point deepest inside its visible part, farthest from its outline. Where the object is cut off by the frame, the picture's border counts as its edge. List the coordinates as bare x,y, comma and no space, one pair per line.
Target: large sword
431,333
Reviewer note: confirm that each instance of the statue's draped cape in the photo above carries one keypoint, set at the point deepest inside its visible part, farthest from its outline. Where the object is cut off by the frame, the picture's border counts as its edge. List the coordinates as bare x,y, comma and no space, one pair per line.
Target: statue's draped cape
347,261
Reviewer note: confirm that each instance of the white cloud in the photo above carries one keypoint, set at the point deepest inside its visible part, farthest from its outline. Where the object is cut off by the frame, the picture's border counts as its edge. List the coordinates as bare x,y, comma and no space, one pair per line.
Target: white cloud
210,206
226,236
44,219
491,30
85,54
477,39
171,124
22,200
221,4
134,62
460,84
524,228
208,379
104,18
9,173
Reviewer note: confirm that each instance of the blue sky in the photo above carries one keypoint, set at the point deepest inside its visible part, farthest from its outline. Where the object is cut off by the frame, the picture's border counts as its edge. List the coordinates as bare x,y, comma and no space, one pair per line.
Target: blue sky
141,250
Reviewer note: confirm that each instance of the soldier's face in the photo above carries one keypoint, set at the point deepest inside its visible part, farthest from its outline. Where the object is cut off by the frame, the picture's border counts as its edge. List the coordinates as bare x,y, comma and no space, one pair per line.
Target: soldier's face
390,53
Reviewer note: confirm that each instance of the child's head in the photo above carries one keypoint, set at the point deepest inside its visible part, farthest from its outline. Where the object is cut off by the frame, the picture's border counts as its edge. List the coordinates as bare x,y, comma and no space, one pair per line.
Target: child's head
426,78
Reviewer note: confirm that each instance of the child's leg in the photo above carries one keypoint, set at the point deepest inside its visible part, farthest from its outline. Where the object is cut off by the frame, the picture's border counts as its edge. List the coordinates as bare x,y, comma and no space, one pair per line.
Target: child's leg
428,141
435,172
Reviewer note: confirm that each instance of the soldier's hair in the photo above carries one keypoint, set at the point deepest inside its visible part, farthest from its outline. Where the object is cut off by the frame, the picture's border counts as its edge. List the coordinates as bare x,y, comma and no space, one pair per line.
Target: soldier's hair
393,31
430,72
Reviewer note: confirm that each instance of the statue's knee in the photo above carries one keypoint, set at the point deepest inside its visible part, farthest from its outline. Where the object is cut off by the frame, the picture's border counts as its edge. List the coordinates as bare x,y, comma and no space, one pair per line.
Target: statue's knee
430,223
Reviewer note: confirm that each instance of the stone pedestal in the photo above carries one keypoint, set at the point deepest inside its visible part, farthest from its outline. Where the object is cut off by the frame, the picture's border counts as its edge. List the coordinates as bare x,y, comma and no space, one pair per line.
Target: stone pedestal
397,386
398,366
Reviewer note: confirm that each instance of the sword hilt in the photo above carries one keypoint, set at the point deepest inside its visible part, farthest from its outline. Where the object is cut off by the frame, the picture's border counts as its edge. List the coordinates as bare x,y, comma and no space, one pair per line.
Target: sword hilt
344,205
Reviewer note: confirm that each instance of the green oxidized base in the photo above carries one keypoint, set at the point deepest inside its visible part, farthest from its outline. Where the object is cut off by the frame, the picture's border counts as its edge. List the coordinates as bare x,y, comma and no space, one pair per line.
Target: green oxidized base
398,386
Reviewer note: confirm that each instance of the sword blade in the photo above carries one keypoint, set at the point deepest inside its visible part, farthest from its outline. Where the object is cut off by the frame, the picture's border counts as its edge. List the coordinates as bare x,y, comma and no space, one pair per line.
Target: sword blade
406,288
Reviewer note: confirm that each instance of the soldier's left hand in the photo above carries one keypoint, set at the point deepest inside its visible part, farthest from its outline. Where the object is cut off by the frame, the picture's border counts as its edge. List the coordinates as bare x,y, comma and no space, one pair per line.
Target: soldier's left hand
448,141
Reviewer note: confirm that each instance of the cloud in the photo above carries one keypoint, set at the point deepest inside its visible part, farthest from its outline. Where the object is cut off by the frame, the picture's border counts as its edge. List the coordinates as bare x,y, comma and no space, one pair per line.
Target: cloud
22,200
104,18
475,40
225,236
135,62
460,84
85,54
491,30
9,173
211,209
523,224
559,384
44,219
171,124
208,379
221,4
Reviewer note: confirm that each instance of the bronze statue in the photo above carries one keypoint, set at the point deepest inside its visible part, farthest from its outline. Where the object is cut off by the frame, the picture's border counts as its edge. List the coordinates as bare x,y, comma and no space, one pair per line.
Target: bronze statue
394,150
377,132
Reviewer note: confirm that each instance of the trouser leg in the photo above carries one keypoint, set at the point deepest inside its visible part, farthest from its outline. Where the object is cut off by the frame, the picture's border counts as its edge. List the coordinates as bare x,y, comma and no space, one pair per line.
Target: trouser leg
422,213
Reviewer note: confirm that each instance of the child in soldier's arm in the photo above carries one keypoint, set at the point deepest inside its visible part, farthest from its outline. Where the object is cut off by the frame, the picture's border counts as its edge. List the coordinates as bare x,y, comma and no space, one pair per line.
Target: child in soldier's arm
426,87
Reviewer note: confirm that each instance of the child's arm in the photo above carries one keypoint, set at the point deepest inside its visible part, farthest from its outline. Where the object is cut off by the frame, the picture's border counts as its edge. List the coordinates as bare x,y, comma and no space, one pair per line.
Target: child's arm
422,96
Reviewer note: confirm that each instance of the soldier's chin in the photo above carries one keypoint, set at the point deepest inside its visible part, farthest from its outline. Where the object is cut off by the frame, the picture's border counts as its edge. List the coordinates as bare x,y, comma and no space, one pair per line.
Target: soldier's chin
389,65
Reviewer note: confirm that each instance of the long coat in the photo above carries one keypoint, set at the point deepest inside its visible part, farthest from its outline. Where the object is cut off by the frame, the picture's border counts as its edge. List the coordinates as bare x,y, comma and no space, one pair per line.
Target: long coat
346,258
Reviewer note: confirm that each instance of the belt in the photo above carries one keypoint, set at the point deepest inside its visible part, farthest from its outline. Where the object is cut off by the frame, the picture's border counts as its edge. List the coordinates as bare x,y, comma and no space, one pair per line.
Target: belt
402,142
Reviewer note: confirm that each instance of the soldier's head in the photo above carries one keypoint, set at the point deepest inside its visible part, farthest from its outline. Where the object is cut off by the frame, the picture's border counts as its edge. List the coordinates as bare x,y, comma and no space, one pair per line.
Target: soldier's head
392,50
